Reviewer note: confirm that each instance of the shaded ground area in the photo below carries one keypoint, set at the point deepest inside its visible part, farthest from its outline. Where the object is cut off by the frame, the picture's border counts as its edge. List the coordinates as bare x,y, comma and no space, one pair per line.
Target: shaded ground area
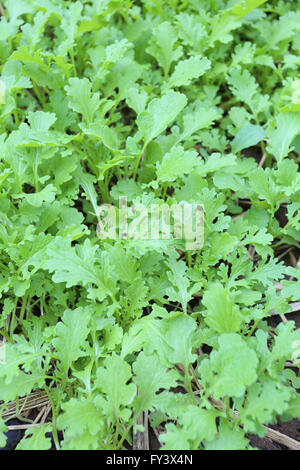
290,428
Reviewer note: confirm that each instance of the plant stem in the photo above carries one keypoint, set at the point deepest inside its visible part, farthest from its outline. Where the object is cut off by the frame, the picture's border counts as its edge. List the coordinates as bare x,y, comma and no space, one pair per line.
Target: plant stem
130,425
54,420
23,308
38,94
138,162
6,335
13,318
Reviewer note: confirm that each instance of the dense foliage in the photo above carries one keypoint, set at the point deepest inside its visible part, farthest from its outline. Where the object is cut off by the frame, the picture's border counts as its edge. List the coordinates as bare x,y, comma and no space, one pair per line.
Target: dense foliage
156,100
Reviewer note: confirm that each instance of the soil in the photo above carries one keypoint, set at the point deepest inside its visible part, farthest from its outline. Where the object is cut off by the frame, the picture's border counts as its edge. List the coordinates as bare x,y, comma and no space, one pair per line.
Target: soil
289,428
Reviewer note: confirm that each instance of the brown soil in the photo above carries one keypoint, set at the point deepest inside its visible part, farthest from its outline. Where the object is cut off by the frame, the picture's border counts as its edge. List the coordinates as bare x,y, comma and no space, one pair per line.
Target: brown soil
290,428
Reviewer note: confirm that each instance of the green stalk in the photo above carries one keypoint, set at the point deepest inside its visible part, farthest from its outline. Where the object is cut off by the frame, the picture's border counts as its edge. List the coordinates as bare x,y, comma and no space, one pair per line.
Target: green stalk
5,335
38,94
116,433
188,385
104,191
23,308
13,318
73,61
130,425
138,161
3,266
54,420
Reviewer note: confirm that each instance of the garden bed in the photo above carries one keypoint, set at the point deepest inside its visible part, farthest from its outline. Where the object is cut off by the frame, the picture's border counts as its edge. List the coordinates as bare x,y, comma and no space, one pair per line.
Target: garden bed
149,225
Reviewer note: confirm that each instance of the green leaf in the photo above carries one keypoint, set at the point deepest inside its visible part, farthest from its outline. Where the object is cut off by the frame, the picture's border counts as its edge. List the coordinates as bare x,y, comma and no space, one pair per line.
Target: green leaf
80,416
35,438
180,336
261,182
71,334
243,86
81,99
287,127
188,70
3,429
150,376
231,368
137,99
46,195
222,315
201,118
86,182
181,290
12,359
194,425
159,114
228,439
70,265
248,136
294,408
244,7
105,134
22,384
112,380
163,46
176,163
264,401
